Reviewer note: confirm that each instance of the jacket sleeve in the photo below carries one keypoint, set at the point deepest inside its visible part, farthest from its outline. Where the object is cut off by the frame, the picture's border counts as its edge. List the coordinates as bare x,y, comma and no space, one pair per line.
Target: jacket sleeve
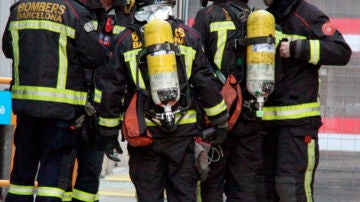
325,46
115,82
206,87
7,41
201,24
91,53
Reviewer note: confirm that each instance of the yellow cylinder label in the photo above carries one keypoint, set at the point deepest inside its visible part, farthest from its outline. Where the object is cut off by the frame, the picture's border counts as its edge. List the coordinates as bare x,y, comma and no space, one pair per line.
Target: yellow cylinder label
161,63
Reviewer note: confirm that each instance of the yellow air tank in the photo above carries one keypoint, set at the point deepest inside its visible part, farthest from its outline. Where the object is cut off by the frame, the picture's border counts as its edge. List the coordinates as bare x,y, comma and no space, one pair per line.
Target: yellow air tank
162,68
260,58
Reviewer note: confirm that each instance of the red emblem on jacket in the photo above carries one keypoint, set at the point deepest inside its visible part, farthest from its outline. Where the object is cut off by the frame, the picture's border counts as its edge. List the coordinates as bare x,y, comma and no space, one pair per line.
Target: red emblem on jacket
328,28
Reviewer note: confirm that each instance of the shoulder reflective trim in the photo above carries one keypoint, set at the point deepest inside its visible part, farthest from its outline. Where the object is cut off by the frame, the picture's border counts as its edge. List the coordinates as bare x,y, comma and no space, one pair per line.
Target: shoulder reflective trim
49,94
217,109
67,196
189,117
293,37
15,46
222,25
278,37
314,52
83,196
131,58
21,190
311,150
95,24
109,122
50,192
63,62
97,95
117,29
189,57
221,28
43,24
292,112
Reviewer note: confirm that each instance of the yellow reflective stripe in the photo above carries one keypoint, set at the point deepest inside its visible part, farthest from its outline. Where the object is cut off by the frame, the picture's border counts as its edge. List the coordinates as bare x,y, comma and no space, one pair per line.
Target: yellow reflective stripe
63,62
21,190
50,192
83,196
215,110
293,37
67,196
292,112
43,24
221,28
189,117
131,58
109,122
278,37
314,51
49,94
117,29
309,170
97,95
15,45
189,56
95,24
223,25
64,32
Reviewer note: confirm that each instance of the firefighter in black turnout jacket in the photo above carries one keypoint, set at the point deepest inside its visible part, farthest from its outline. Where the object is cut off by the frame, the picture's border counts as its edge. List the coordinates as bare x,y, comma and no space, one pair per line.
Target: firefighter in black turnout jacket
237,171
111,18
158,64
50,42
292,116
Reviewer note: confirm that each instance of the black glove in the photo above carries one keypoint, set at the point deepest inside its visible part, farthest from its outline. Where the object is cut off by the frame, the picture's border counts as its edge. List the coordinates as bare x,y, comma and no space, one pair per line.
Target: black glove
221,133
215,135
110,144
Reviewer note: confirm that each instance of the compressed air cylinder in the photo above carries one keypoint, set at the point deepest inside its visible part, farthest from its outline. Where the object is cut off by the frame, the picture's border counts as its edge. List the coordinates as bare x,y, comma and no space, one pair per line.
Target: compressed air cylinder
162,68
260,59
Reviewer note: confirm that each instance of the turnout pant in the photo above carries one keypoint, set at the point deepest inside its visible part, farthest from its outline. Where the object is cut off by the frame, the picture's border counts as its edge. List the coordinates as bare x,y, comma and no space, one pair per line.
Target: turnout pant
45,152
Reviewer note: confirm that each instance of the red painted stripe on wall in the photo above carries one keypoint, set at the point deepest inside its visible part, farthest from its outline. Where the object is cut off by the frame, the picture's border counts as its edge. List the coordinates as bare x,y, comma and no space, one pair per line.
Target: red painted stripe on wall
347,25
341,125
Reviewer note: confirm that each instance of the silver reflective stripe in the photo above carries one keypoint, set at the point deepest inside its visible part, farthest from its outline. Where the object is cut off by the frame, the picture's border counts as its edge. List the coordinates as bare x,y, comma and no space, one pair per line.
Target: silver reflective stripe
109,122
131,58
314,52
15,45
50,192
21,190
49,94
44,25
67,196
189,55
117,29
310,170
63,62
189,117
97,95
292,112
221,28
64,32
215,110
83,196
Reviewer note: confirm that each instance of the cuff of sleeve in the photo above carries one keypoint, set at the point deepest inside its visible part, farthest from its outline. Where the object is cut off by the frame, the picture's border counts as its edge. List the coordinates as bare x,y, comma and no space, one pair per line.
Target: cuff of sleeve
296,48
220,118
108,132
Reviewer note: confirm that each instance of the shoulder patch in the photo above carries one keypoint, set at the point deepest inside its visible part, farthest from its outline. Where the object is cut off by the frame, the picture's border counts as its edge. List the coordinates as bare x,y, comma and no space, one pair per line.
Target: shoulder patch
328,29
89,27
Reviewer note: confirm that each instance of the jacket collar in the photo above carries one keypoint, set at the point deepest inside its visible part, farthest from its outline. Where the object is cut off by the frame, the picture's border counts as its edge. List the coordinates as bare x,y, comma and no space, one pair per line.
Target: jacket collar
282,8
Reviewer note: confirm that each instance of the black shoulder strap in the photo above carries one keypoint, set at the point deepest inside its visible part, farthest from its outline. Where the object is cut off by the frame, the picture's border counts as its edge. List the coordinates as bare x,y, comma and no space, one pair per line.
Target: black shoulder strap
239,19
